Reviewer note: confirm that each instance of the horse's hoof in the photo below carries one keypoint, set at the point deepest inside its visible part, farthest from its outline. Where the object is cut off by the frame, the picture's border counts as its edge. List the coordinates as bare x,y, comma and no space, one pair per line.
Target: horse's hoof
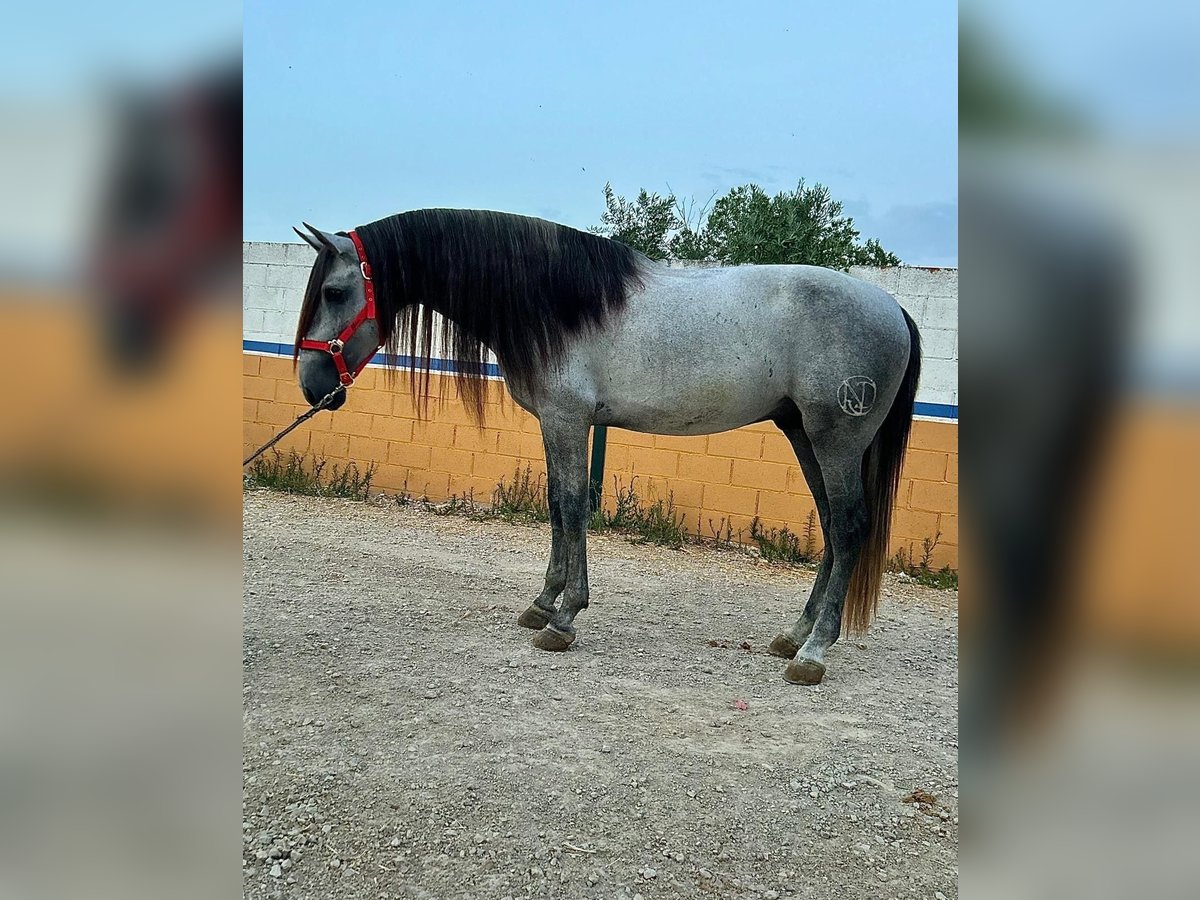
550,638
534,617
783,647
804,671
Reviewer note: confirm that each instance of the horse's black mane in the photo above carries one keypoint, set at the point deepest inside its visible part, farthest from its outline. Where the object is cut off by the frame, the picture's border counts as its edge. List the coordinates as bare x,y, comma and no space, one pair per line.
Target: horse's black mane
516,285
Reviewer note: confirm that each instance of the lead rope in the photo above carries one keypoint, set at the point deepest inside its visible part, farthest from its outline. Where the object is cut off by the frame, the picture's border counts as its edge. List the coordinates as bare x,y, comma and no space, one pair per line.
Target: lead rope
303,417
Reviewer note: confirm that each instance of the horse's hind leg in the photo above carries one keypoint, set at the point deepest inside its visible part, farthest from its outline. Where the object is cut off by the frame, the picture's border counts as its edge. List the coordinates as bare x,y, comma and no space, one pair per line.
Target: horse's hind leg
538,615
787,644
841,471
565,437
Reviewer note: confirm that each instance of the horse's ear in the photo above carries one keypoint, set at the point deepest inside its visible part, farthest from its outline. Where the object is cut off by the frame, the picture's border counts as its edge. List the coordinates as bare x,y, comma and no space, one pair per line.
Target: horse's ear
307,239
335,242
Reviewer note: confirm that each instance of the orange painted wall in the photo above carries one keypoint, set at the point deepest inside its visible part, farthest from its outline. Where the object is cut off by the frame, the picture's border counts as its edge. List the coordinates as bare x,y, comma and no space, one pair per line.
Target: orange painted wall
732,476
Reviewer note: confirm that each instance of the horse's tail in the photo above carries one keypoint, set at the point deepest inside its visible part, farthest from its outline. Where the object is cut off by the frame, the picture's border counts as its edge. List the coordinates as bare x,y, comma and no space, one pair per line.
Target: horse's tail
881,479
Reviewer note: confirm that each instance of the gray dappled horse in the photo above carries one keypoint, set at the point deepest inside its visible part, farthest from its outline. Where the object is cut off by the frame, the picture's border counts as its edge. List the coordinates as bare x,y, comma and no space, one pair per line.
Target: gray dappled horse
589,332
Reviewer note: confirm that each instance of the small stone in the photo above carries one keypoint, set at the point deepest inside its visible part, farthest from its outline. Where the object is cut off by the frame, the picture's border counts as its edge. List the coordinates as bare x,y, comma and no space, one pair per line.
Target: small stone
649,873
939,895
326,828
285,865
276,871
431,695
814,793
605,748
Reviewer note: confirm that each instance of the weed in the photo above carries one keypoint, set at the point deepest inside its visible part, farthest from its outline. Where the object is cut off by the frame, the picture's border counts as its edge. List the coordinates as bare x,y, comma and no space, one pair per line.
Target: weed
524,499
657,523
783,545
923,572
293,474
722,535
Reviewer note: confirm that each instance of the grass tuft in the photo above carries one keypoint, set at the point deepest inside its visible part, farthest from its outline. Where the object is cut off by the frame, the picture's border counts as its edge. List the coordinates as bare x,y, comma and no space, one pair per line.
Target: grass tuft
294,474
783,545
524,499
920,569
658,522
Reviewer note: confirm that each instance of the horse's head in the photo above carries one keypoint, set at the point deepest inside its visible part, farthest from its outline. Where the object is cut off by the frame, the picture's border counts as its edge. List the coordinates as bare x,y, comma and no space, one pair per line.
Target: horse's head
338,332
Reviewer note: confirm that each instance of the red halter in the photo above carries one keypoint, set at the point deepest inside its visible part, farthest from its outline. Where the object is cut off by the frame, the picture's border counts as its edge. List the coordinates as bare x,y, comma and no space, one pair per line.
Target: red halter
367,313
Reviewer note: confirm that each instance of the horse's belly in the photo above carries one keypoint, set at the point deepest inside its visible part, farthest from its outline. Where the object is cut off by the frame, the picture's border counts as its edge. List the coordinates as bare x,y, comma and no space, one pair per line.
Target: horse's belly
689,407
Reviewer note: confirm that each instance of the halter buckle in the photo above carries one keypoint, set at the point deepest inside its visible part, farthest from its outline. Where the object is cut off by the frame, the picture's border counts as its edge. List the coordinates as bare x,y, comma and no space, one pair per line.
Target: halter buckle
336,346
365,269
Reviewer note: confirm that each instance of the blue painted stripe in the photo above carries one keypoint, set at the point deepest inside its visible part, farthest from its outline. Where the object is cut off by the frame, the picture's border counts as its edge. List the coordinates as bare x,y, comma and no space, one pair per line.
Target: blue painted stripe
266,347
936,410
932,410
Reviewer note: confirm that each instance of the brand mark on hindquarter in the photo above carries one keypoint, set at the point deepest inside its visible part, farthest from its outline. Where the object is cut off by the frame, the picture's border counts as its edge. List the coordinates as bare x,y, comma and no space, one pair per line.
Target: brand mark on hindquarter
856,395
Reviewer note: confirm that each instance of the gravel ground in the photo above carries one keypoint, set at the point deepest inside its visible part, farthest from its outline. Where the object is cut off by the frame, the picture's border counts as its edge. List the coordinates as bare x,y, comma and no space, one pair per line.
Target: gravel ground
402,738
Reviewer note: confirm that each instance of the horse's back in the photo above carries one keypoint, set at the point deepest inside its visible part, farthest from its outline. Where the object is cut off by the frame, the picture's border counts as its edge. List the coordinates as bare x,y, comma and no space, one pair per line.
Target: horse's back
701,350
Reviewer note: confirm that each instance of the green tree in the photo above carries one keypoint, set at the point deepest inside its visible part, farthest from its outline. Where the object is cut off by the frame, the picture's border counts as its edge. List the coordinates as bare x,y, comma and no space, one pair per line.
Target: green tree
804,226
644,224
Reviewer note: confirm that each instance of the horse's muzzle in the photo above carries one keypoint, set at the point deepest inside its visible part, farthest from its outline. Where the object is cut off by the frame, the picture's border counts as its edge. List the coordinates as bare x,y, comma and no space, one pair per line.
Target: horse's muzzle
336,402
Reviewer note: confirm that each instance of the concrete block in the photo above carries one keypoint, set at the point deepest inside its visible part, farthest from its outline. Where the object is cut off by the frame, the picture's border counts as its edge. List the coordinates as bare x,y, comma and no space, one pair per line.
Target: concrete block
275,298
940,312
299,255
266,252
285,277
886,278
914,306
939,343
257,296
934,497
928,282
281,323
939,375
937,395
943,283
254,273
256,252
252,321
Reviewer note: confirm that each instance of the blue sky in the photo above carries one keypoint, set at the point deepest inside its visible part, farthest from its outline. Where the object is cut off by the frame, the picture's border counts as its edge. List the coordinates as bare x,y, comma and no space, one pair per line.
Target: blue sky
357,111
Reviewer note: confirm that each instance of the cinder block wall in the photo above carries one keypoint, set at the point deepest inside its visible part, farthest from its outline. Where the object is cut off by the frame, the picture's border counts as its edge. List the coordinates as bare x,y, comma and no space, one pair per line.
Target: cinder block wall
723,478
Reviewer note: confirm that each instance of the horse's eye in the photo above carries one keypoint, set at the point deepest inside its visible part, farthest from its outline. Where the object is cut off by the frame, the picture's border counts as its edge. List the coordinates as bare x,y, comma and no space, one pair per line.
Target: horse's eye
334,294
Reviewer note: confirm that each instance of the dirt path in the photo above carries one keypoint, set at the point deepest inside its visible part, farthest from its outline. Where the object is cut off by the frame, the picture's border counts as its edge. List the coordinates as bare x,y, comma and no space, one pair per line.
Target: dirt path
404,739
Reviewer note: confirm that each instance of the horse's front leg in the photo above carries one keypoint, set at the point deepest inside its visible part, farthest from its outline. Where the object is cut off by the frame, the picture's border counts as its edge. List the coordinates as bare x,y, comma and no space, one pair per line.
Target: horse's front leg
566,464
538,615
